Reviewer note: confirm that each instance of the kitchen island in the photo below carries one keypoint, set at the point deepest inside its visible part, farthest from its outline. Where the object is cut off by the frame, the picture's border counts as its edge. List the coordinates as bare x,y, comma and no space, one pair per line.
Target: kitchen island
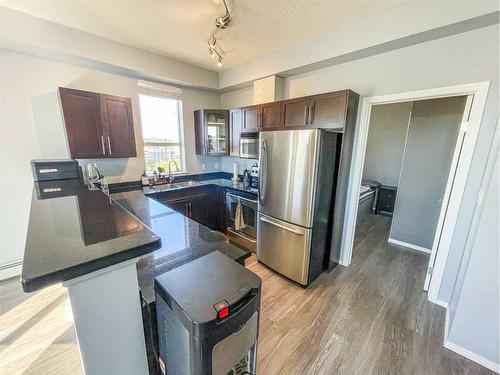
107,250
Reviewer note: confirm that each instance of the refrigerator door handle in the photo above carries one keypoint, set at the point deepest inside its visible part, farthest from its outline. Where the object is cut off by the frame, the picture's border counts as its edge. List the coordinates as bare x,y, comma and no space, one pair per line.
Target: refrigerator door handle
266,220
262,171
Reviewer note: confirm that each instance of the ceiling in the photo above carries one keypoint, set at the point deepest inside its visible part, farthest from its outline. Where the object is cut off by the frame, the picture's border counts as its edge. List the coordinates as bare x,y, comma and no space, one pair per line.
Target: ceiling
180,28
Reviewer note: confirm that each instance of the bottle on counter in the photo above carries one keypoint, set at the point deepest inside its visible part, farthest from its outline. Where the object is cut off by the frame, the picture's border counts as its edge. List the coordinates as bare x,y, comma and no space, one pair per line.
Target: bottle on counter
144,179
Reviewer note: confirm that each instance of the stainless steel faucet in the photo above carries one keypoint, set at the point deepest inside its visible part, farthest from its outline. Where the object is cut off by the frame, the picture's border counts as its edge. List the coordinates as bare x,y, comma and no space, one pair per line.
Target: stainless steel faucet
170,178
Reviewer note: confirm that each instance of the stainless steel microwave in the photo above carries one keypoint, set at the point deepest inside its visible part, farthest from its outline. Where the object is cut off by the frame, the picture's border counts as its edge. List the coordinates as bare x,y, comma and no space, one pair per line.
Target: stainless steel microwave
249,145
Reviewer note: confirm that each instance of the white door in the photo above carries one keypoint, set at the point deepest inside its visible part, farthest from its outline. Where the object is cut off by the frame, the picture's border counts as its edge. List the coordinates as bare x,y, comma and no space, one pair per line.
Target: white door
449,186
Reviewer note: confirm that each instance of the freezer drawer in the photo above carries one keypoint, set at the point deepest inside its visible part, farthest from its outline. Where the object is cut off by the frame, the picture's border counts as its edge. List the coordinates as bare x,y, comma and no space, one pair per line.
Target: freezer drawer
284,247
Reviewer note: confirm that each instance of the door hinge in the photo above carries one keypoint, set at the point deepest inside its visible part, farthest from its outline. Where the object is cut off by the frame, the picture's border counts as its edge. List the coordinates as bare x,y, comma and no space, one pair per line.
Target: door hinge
429,270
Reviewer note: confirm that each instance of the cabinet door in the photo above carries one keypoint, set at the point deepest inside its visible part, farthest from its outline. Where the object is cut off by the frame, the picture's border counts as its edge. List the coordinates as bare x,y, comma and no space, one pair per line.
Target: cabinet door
270,115
198,209
82,118
179,206
118,126
328,110
235,124
294,112
216,130
251,118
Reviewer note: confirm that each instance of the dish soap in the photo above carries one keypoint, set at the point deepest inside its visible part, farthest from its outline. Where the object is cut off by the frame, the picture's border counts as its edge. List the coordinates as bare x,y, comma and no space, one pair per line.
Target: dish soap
144,179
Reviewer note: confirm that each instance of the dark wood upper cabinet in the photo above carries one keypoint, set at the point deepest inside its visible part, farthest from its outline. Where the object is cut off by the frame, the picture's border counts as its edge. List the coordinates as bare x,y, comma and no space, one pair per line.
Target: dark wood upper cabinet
119,123
82,117
251,119
97,125
328,110
295,112
211,130
270,115
235,125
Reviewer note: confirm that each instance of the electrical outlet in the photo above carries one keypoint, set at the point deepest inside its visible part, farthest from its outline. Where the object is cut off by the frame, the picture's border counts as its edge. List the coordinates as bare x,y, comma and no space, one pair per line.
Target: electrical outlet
203,167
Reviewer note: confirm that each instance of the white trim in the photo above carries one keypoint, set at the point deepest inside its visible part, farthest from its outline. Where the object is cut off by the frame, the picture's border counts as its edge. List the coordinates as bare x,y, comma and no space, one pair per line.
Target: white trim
409,245
485,362
461,350
480,92
11,270
457,152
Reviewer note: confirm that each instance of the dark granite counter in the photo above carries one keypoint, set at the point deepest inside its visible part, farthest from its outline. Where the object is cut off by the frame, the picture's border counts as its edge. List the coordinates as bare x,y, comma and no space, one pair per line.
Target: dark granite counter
73,231
183,239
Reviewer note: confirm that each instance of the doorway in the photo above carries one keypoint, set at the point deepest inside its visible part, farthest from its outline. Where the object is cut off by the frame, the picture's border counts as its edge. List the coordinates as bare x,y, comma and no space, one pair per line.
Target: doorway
473,97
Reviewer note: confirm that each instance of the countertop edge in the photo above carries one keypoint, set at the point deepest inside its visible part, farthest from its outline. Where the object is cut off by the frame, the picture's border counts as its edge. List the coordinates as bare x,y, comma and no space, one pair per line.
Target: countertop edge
37,283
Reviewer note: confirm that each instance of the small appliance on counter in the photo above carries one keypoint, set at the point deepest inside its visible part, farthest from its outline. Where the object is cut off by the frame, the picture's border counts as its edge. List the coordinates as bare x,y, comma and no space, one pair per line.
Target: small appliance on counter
208,317
50,170
55,178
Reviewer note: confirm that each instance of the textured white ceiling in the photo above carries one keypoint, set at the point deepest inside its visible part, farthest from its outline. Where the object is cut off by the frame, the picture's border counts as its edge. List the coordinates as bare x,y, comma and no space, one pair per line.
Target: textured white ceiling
180,28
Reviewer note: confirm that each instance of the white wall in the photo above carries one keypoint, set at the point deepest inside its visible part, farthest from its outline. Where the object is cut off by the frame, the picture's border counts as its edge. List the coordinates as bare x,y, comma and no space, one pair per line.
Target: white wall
409,23
28,34
31,127
386,142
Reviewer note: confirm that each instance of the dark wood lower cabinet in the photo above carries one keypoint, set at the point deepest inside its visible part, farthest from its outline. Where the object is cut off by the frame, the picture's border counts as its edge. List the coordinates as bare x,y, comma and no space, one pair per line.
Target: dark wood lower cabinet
202,204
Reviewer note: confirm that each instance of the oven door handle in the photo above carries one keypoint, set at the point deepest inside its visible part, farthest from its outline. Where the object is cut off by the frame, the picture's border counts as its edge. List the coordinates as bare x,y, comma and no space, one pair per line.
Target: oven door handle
238,197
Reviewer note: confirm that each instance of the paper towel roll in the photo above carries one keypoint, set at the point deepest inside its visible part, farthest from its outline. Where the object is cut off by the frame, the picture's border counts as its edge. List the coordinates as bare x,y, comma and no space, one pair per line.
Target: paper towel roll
235,171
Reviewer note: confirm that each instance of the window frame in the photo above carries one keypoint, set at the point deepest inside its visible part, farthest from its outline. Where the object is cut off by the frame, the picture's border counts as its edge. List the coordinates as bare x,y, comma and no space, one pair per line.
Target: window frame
180,129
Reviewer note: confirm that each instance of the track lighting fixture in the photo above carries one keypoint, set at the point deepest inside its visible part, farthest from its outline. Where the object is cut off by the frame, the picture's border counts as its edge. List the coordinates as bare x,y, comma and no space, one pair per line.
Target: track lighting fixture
220,23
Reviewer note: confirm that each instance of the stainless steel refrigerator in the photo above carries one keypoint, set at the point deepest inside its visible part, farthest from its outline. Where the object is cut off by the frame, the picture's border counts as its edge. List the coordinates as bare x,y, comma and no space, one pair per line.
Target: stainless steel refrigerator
297,180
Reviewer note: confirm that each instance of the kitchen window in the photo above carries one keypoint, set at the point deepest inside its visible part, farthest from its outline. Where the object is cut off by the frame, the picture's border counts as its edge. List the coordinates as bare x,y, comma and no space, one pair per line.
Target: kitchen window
162,131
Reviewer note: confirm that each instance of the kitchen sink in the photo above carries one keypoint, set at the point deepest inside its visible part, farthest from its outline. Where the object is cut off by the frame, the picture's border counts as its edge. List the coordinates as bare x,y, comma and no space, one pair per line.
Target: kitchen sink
187,183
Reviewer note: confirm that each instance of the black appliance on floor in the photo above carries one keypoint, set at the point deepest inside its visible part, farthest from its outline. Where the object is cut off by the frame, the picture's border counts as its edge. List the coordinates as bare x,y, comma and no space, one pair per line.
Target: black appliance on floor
208,318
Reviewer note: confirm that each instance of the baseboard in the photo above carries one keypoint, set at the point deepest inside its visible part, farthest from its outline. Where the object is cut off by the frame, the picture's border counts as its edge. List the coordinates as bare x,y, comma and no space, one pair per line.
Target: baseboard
472,356
10,270
409,245
461,350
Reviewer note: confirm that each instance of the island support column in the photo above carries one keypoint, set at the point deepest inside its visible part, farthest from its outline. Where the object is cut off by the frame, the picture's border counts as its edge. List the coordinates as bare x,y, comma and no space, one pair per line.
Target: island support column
108,320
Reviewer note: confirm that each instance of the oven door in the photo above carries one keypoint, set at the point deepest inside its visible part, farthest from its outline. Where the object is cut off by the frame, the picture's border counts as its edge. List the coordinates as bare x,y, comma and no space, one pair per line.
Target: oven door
249,147
249,208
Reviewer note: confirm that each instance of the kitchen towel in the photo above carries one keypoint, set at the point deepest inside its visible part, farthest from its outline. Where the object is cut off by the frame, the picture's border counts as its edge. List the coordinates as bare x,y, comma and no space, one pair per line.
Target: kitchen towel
239,221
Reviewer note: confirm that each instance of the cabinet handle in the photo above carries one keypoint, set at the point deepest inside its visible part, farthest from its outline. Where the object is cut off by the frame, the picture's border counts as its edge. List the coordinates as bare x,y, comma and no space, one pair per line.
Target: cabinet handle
311,114
190,210
103,147
109,145
306,114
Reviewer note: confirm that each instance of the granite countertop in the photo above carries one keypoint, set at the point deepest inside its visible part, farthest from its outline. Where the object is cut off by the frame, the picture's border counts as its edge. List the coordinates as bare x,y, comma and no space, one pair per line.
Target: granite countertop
183,239
73,231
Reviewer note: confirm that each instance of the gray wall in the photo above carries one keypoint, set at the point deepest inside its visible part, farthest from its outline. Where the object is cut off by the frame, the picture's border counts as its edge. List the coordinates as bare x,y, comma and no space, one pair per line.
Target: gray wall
437,63
474,307
432,135
386,142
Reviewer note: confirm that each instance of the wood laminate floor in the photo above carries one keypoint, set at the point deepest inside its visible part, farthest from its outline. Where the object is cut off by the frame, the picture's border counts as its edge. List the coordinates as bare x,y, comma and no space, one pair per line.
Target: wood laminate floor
369,318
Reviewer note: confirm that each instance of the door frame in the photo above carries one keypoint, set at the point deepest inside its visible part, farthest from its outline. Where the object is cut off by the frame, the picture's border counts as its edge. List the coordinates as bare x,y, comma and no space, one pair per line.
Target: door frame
449,211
